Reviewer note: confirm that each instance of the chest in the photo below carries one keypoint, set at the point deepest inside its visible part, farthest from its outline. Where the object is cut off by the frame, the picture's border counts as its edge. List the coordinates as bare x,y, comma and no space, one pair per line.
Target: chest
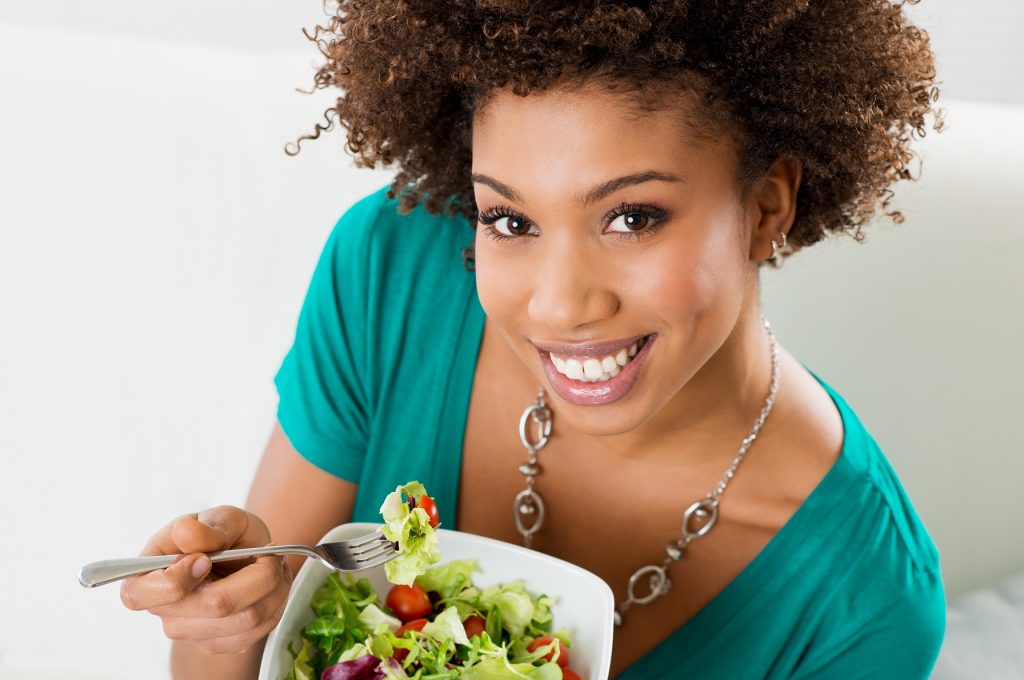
608,521
610,516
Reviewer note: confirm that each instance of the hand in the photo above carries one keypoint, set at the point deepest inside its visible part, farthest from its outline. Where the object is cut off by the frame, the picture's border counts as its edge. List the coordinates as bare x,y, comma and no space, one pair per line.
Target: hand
226,609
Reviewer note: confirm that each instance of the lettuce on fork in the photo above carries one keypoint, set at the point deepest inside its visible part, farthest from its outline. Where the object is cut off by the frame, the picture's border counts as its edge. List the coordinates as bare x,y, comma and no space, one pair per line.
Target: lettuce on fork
409,526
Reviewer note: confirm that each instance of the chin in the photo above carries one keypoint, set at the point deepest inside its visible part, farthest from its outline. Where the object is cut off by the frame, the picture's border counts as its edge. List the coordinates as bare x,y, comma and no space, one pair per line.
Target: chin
599,421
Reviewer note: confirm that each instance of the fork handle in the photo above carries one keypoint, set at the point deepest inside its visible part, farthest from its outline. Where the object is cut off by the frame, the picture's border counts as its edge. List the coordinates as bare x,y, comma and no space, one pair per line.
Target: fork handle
107,571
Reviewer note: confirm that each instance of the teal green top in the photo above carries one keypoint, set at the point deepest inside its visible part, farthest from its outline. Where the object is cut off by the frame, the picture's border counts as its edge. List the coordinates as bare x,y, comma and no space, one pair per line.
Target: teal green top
848,588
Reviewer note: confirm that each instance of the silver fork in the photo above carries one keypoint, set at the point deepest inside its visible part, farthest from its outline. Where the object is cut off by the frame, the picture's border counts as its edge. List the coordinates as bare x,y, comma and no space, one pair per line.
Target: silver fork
356,554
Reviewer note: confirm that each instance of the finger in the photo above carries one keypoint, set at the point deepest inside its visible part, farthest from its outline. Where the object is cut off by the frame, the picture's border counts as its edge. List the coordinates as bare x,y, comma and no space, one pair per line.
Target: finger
219,528
229,595
236,644
249,619
162,543
162,587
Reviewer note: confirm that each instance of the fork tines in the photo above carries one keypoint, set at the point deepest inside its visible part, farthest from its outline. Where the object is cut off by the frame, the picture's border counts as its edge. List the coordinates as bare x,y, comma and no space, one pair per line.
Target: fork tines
372,549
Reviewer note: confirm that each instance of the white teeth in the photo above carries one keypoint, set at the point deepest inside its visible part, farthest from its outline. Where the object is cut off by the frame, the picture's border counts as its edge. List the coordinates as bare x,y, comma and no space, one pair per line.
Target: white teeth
573,369
592,369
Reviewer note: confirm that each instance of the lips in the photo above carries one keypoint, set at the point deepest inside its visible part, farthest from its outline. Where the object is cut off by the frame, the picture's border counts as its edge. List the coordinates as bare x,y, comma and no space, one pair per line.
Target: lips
588,348
591,393
595,368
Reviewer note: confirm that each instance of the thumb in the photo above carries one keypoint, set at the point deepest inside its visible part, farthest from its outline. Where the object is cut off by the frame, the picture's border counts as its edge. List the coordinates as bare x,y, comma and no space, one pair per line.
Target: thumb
219,528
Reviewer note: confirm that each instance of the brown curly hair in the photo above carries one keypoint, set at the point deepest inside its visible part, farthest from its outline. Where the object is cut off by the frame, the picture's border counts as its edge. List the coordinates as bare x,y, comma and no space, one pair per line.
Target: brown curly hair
843,86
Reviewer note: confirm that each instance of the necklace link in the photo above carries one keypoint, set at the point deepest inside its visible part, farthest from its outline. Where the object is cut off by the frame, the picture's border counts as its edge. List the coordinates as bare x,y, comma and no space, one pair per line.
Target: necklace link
658,585
529,514
706,513
540,415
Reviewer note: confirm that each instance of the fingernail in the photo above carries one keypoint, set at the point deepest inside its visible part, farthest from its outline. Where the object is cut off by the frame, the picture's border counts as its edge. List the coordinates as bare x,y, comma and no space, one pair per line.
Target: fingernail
201,566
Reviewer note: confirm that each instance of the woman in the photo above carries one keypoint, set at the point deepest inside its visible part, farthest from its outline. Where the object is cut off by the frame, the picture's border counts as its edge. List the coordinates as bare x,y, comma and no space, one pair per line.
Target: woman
628,168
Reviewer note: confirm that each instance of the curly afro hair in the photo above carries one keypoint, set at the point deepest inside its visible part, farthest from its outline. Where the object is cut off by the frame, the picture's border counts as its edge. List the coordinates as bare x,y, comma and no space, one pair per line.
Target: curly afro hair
842,86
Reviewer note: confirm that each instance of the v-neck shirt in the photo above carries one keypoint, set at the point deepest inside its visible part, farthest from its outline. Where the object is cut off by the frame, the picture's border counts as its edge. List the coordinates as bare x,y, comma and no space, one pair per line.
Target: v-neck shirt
376,389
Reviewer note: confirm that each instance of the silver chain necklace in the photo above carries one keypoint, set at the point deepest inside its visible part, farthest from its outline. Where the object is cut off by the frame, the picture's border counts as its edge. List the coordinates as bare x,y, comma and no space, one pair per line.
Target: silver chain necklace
698,518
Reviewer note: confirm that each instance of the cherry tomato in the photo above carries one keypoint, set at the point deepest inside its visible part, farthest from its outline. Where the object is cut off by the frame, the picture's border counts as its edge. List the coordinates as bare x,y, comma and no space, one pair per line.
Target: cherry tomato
474,625
569,674
428,504
408,602
415,624
544,641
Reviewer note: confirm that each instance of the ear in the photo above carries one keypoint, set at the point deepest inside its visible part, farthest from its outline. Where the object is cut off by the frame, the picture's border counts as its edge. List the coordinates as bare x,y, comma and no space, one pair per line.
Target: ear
771,206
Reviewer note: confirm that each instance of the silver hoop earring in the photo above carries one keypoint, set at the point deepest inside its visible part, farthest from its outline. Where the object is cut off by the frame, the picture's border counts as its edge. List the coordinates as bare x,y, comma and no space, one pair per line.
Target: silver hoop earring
777,247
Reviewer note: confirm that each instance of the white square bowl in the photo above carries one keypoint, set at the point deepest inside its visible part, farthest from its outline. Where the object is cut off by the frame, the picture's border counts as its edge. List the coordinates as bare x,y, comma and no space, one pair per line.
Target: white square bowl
584,604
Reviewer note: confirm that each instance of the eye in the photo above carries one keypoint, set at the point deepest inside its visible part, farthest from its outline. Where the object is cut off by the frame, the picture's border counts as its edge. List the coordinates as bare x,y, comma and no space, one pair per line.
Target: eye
511,225
635,220
503,223
631,221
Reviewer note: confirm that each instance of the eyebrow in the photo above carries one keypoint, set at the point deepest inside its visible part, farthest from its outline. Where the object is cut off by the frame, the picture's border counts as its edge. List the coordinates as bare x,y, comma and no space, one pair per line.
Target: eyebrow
595,194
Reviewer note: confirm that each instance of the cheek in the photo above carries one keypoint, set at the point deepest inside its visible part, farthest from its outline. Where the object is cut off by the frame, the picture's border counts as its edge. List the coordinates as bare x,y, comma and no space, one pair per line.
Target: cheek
694,279
499,283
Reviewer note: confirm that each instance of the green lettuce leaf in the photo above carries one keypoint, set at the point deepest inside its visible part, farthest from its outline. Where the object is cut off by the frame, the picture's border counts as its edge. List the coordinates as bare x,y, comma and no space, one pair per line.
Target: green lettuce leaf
514,603
540,624
394,671
493,625
447,626
354,652
410,528
395,506
498,668
324,626
301,668
520,654
380,643
449,579
372,617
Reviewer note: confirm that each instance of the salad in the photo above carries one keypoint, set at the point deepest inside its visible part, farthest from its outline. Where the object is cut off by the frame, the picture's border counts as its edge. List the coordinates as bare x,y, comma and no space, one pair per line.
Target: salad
433,623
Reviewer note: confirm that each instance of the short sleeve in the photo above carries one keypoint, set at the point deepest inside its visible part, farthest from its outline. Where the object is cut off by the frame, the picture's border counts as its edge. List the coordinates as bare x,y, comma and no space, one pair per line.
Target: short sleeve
323,405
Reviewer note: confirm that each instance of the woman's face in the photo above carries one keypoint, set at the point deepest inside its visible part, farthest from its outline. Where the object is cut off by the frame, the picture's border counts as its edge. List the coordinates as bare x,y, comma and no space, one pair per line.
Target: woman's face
600,224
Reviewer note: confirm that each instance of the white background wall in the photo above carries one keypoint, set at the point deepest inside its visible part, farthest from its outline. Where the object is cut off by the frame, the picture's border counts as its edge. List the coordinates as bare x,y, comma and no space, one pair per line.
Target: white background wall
155,243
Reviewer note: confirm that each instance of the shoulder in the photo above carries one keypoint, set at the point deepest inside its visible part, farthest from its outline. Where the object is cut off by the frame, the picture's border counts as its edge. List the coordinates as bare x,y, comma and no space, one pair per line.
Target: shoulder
856,488
386,271
874,483
400,279
885,604
372,231
405,271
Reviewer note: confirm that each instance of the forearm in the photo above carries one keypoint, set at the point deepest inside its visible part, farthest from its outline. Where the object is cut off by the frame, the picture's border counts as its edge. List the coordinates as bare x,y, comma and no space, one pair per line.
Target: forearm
188,662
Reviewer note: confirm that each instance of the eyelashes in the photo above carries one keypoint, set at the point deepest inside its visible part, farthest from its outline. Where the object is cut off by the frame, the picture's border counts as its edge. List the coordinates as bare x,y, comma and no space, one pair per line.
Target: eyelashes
489,217
653,219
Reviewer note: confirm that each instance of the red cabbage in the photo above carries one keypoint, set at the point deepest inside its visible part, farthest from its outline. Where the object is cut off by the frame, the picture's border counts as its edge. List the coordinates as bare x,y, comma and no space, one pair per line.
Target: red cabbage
366,667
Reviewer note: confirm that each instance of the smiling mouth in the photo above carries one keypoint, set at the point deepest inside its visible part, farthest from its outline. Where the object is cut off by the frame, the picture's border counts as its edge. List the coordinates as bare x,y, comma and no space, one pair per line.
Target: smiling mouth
598,367
584,376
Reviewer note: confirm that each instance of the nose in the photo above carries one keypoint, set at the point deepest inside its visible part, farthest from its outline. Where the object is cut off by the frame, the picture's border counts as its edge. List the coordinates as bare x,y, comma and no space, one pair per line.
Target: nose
571,291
